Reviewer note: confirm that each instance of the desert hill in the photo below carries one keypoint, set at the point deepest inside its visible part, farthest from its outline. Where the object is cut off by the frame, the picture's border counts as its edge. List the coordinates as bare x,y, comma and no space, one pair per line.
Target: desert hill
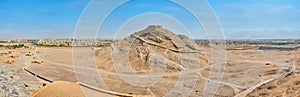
158,47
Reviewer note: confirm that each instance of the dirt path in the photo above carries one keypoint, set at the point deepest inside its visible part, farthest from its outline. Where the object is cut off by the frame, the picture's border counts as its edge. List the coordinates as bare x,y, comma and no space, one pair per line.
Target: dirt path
249,90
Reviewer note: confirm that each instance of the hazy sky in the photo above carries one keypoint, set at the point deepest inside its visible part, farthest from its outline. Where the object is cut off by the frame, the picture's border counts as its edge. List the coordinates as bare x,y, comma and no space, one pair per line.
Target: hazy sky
241,19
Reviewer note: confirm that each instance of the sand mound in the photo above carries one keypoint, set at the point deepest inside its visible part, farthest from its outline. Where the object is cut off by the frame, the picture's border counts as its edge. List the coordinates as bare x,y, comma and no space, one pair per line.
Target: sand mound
60,89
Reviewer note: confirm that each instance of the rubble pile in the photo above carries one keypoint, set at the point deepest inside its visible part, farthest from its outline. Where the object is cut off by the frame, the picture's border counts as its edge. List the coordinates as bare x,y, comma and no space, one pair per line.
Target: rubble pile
11,85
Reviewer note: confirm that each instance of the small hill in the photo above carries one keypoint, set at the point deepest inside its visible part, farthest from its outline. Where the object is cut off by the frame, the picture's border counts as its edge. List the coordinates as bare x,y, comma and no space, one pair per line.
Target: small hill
158,47
70,89
60,89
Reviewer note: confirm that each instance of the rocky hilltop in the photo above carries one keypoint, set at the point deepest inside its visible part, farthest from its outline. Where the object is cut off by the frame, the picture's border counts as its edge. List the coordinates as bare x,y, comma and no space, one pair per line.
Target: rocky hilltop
159,47
11,85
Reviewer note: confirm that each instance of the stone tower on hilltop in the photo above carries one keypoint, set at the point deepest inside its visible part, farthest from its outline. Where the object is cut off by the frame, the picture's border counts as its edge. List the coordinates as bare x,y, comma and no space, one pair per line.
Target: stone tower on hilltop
155,28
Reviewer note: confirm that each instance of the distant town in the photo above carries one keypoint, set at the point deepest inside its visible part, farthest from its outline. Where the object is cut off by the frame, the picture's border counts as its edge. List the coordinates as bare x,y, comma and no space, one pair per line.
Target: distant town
26,43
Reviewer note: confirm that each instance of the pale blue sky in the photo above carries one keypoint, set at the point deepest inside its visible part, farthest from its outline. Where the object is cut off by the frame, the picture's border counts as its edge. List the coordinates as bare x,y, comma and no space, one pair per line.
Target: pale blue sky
241,19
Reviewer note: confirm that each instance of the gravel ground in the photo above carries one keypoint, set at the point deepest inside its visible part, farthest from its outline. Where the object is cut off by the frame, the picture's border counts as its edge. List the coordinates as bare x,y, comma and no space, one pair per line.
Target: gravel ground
11,85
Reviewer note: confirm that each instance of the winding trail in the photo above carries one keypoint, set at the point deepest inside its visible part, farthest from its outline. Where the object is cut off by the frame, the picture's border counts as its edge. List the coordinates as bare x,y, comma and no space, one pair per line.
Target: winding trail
252,88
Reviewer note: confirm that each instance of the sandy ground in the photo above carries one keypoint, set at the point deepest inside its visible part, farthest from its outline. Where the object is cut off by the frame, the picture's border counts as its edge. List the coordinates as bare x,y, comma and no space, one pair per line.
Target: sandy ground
245,69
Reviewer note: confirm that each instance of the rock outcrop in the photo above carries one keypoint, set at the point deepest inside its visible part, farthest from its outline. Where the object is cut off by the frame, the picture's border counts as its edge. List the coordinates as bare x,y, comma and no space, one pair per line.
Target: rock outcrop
11,85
